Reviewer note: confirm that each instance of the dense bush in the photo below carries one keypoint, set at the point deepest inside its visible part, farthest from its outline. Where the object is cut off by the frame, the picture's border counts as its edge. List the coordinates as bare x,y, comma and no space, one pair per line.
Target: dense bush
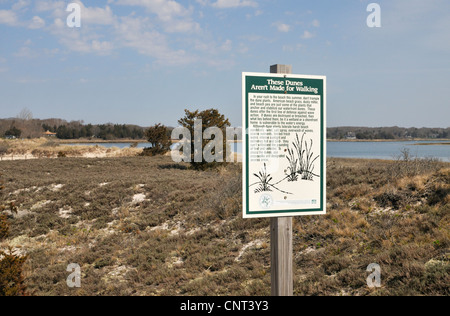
14,132
4,225
210,118
12,282
158,137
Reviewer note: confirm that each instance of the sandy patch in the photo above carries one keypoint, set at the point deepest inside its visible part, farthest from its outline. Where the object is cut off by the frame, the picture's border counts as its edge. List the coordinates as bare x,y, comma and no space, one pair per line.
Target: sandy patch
95,155
65,213
138,198
40,204
174,262
17,157
56,187
117,274
307,251
176,230
164,226
256,243
17,192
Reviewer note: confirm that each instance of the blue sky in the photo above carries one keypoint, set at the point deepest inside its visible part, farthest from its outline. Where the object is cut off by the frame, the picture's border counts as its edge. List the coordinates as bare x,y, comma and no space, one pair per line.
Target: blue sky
145,61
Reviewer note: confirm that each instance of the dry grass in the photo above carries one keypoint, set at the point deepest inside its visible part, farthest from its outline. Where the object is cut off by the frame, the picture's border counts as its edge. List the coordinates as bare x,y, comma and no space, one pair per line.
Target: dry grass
54,148
147,226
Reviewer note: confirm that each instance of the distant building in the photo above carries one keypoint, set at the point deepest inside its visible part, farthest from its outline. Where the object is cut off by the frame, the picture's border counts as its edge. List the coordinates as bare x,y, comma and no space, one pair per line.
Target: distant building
49,134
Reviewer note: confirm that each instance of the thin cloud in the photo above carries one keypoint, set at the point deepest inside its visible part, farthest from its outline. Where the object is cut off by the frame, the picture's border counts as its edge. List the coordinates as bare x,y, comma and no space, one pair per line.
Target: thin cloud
135,33
307,35
36,23
175,18
24,52
43,6
96,15
21,4
8,17
226,4
104,31
282,27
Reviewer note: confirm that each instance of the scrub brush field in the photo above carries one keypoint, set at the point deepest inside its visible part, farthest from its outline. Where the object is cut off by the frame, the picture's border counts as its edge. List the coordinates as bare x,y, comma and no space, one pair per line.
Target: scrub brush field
148,226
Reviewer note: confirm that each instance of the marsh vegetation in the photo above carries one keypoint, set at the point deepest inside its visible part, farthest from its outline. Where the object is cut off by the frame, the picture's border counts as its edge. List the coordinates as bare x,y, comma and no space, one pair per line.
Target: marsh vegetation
147,226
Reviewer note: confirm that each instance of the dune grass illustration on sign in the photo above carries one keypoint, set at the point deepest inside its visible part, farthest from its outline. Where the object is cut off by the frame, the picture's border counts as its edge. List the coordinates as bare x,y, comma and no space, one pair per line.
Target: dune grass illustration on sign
264,184
304,163
293,162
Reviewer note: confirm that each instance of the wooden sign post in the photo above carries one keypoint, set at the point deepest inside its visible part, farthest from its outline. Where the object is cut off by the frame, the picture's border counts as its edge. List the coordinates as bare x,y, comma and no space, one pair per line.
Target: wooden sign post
281,276
284,158
281,256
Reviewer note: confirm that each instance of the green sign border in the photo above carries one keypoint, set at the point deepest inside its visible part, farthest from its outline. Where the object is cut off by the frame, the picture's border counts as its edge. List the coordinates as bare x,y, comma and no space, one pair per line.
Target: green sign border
312,81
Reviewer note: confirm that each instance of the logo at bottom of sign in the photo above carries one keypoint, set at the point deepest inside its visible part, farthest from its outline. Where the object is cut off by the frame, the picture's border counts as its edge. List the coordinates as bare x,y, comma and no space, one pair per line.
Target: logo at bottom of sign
266,201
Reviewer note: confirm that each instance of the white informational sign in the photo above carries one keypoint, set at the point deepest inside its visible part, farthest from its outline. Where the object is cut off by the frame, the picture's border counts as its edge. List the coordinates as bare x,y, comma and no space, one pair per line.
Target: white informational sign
284,145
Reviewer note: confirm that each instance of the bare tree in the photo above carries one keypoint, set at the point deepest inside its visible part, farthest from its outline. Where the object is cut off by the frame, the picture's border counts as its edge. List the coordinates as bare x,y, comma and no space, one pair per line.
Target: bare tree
25,115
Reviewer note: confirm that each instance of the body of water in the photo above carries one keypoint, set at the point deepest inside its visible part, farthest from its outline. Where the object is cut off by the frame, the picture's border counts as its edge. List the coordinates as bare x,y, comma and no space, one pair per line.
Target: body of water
110,145
388,150
383,150
368,150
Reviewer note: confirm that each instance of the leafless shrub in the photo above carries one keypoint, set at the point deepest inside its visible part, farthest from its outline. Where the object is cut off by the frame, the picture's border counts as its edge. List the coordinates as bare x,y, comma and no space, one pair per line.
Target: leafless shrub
407,165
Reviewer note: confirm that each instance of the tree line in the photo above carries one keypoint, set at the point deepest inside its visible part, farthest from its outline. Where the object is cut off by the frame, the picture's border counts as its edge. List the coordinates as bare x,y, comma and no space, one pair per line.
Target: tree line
103,131
35,128
387,133
24,126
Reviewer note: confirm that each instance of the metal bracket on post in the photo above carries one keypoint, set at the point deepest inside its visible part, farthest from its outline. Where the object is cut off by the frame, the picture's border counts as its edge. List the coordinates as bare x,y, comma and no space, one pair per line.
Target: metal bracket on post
281,238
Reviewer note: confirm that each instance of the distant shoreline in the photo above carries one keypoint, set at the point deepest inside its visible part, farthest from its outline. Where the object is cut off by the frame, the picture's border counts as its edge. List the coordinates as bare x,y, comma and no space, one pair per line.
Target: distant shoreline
428,144
101,141
438,141
444,141
97,141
